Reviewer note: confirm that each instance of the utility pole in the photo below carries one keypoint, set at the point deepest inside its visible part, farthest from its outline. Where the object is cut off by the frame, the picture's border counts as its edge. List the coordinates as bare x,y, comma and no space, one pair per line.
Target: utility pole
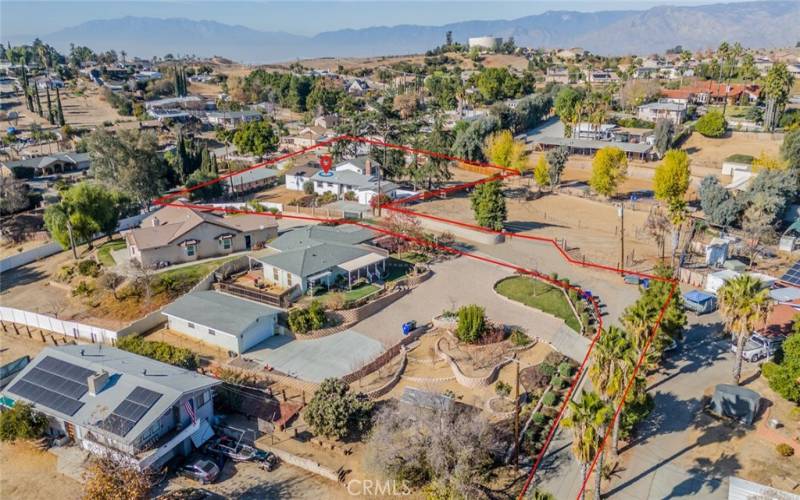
516,419
621,213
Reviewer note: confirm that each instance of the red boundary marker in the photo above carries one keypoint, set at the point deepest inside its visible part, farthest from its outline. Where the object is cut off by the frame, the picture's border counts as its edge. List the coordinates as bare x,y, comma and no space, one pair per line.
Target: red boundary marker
397,206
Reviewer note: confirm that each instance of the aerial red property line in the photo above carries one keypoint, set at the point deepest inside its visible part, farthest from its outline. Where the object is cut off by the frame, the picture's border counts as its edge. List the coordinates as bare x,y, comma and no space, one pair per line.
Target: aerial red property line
393,206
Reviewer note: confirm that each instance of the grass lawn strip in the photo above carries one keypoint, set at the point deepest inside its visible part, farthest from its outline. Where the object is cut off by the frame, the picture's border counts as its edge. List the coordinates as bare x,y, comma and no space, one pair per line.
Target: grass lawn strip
104,252
534,293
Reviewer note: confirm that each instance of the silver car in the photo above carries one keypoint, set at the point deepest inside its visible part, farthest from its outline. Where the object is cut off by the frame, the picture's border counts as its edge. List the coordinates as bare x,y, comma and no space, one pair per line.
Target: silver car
204,471
760,347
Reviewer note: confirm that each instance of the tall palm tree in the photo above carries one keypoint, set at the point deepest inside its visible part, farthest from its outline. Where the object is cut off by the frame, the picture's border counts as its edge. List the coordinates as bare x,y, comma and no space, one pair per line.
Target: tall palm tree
638,320
744,305
587,418
613,361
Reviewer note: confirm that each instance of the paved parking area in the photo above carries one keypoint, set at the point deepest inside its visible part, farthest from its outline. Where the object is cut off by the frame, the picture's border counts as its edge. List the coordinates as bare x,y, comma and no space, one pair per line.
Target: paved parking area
317,359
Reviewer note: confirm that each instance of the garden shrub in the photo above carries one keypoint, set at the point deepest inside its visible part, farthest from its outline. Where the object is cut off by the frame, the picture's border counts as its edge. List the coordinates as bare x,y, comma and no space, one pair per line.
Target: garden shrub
502,389
471,323
83,289
160,351
557,382
519,339
310,318
536,379
783,373
554,358
547,369
712,124
65,273
539,419
784,449
22,422
550,399
565,369
88,267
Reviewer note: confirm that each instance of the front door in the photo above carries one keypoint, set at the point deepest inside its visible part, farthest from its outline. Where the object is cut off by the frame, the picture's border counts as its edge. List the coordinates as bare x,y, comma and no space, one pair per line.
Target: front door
70,430
247,242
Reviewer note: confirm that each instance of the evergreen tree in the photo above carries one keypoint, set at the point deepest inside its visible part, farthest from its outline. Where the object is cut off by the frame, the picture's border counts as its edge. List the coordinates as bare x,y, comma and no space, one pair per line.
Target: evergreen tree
50,115
59,110
489,205
38,101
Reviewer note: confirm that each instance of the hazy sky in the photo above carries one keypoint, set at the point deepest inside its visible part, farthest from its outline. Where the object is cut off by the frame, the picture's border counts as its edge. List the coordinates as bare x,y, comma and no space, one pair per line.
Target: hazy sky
37,18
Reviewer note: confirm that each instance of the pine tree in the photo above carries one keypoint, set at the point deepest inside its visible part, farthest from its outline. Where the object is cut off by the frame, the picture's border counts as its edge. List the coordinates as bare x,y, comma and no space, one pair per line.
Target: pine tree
50,115
59,110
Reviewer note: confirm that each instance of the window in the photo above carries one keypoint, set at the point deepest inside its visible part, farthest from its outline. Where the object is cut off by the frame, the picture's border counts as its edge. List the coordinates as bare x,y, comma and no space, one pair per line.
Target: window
226,243
211,332
289,279
191,325
275,274
191,249
200,399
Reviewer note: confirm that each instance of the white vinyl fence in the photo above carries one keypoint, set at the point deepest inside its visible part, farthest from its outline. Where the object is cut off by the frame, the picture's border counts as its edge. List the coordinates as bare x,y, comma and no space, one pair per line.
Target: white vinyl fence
70,329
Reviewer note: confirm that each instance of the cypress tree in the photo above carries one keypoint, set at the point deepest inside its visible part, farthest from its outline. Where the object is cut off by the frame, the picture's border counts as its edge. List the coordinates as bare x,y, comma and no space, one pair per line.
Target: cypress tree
59,110
29,100
38,100
177,82
50,115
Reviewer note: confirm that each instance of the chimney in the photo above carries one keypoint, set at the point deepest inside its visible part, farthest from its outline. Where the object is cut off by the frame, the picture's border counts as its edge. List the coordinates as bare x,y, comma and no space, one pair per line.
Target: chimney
96,382
156,222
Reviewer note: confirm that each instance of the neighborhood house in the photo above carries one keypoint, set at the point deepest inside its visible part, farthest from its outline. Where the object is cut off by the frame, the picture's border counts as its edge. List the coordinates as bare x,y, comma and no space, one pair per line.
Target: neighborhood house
111,401
356,176
177,234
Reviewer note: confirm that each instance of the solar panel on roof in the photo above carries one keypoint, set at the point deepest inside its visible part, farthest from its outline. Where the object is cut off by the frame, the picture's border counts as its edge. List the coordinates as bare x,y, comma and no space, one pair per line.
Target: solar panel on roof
128,413
45,397
792,276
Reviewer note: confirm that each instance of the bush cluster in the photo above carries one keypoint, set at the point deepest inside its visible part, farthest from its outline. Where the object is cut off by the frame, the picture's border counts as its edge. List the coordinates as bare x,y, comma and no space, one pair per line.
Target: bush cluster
310,318
160,351
471,323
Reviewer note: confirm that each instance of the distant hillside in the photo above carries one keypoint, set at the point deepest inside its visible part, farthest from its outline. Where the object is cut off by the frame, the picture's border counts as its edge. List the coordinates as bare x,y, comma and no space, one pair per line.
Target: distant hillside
754,24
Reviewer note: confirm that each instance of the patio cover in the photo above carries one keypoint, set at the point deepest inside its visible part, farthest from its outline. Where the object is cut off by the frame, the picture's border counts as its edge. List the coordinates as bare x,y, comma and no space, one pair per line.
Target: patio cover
363,261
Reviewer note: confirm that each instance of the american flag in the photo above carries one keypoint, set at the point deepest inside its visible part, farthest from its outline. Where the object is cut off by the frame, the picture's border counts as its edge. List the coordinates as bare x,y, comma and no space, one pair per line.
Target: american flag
188,406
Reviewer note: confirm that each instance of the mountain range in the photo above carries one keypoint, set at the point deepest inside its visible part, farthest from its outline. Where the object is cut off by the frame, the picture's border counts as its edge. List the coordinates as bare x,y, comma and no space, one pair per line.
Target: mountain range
761,24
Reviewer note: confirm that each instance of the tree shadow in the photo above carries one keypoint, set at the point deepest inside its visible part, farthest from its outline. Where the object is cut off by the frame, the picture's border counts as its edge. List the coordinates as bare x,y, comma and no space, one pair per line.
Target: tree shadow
518,226
24,275
706,472
694,355
285,488
669,415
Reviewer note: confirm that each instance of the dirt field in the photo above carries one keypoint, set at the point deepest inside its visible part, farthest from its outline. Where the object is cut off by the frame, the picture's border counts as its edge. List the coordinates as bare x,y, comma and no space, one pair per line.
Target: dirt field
27,473
708,152
589,225
13,346
351,63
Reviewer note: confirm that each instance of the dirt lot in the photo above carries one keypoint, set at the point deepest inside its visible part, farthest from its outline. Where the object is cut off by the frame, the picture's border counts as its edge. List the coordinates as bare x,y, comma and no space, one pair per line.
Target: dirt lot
13,346
28,473
708,152
352,63
590,225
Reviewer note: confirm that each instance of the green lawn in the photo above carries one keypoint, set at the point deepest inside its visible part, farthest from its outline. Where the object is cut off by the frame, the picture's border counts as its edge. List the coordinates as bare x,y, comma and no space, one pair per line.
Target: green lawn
397,269
195,272
360,292
539,295
104,252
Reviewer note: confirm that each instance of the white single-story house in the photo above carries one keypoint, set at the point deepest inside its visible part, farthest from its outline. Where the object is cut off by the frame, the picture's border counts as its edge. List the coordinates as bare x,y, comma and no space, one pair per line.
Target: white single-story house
297,176
113,402
313,256
232,323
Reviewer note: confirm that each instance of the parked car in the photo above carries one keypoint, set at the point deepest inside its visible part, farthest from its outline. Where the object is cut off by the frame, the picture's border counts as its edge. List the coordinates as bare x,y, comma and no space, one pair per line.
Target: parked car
201,470
760,347
227,447
700,302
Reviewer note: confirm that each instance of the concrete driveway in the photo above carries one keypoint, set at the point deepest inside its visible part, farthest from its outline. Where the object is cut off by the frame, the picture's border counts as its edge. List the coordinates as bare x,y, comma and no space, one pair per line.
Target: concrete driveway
464,281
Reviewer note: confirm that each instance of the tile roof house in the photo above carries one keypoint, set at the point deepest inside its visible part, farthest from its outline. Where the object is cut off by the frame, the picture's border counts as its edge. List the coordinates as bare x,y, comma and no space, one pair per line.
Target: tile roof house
178,234
311,256
232,323
112,401
711,92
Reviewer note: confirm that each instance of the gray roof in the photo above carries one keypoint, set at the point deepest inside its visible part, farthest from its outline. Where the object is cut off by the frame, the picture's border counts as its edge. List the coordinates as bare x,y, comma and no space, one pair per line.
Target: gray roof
43,161
628,147
127,371
350,178
220,311
314,258
232,114
359,161
345,234
668,106
254,175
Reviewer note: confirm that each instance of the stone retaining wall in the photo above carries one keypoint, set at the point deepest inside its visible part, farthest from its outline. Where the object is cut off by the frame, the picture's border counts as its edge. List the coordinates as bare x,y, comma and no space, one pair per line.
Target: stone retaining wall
461,378
304,463
388,386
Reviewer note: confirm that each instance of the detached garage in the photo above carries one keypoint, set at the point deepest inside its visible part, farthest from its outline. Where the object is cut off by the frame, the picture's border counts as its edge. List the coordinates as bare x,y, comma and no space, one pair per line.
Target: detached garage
223,320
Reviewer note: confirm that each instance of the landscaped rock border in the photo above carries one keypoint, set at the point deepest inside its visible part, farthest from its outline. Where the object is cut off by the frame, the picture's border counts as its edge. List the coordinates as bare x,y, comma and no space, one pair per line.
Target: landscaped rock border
388,386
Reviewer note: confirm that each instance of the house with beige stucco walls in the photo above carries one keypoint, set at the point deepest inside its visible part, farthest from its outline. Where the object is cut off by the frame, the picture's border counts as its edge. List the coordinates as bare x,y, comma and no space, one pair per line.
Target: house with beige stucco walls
178,234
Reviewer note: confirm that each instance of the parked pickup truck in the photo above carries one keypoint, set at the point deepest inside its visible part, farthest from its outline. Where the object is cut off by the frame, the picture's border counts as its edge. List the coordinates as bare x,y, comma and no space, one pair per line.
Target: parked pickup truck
700,302
760,347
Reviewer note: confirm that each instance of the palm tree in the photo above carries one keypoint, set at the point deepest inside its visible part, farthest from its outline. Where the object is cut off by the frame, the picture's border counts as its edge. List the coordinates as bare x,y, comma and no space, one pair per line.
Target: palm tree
587,418
638,320
744,305
613,361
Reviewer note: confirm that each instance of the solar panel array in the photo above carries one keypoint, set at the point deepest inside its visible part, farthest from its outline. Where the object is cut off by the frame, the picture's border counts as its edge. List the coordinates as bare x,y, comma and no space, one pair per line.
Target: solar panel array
792,276
129,412
56,384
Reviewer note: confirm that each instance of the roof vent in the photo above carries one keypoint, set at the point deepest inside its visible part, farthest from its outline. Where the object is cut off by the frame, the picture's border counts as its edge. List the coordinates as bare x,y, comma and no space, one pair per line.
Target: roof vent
96,382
